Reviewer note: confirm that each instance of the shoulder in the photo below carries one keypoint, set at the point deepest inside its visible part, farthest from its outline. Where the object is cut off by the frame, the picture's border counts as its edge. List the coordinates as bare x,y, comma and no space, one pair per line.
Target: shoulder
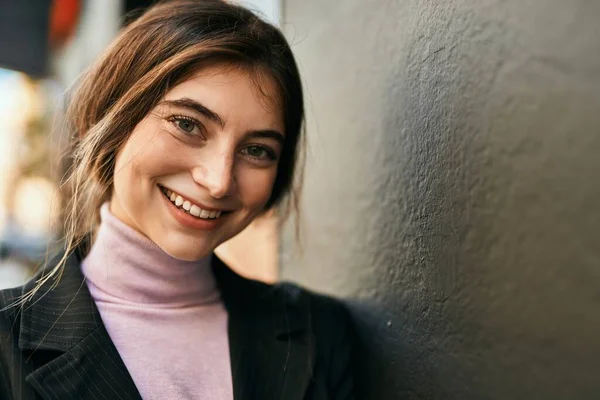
11,300
10,324
329,319
9,296
328,315
10,307
10,313
332,330
320,324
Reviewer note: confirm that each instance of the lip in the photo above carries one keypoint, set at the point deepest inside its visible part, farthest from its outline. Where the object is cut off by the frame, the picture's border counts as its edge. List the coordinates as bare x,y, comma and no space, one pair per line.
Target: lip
190,221
202,206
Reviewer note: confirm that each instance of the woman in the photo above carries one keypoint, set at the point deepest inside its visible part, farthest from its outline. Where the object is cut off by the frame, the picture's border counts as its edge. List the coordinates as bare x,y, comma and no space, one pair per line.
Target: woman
186,130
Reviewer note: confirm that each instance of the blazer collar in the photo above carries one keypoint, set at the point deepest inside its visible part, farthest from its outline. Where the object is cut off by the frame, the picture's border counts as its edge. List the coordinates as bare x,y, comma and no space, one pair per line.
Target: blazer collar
63,335
271,349
59,316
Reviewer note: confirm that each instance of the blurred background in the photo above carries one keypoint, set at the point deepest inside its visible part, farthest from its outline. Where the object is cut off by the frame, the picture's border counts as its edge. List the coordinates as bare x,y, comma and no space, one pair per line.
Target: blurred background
452,192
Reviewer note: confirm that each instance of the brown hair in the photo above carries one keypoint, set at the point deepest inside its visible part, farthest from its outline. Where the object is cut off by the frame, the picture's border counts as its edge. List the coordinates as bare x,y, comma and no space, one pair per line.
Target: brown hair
160,49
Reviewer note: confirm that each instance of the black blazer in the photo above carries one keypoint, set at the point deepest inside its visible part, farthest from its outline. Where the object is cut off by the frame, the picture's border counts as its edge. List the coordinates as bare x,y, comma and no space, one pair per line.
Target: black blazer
285,343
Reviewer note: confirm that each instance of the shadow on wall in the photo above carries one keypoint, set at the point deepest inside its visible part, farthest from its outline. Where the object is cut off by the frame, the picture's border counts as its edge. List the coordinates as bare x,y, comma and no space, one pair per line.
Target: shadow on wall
430,168
487,274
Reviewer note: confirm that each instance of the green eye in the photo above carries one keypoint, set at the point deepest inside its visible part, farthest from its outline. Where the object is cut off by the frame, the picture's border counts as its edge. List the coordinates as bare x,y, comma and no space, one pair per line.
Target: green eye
185,125
259,152
256,151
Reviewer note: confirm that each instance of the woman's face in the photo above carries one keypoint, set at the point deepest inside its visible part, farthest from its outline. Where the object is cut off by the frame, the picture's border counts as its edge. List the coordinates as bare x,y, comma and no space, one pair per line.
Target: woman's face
201,165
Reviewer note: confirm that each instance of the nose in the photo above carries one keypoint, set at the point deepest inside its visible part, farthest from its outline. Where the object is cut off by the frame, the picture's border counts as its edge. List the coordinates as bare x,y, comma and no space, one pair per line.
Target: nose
215,173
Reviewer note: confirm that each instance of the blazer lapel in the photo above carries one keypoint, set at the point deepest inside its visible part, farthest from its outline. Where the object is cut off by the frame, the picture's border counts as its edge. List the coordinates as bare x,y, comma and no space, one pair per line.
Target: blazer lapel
63,336
271,348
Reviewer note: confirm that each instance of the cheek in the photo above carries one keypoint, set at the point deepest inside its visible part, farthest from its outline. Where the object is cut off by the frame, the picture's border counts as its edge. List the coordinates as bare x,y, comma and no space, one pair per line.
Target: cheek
147,153
129,167
127,175
255,187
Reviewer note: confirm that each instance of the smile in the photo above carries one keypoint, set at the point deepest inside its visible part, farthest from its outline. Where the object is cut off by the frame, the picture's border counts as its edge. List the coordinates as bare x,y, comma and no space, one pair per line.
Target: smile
186,205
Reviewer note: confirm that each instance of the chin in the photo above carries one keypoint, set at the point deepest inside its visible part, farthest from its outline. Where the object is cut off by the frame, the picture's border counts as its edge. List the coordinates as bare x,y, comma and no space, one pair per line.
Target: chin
187,254
186,251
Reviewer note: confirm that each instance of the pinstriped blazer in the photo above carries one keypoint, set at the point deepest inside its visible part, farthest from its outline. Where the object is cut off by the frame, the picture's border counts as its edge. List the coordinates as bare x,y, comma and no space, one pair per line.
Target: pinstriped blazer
285,343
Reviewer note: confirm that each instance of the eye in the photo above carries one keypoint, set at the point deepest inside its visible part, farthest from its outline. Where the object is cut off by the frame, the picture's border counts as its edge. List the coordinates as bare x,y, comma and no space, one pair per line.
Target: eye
259,152
185,124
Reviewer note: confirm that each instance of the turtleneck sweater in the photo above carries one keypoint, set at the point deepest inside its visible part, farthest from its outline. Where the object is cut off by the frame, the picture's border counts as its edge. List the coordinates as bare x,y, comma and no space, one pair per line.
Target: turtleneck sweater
165,316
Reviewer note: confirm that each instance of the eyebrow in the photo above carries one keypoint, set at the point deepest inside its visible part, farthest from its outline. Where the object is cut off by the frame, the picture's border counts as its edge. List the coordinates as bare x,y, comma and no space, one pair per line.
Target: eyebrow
194,105
267,134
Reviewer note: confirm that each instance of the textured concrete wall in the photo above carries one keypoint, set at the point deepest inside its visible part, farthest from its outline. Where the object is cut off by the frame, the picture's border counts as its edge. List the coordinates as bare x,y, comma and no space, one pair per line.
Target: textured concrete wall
453,191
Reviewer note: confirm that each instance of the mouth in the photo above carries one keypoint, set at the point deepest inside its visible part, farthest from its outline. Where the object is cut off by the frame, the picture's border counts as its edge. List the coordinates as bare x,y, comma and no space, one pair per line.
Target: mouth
190,208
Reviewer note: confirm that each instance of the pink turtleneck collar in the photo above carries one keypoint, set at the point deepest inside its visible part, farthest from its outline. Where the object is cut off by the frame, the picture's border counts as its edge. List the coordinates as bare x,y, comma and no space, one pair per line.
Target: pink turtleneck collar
165,316
126,265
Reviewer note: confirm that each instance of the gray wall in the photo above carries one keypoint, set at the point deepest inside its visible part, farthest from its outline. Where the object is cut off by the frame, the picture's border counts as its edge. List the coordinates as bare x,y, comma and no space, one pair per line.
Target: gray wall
453,191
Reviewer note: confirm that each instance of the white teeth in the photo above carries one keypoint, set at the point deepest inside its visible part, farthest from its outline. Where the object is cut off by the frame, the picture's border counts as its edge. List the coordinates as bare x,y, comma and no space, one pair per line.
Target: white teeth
187,205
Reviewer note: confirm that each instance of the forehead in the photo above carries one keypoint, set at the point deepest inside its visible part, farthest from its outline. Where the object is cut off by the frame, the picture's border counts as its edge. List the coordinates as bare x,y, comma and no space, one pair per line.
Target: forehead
239,96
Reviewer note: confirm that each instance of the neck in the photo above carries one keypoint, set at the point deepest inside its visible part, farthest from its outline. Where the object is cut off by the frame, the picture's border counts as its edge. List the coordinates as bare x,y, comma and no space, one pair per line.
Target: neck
126,265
